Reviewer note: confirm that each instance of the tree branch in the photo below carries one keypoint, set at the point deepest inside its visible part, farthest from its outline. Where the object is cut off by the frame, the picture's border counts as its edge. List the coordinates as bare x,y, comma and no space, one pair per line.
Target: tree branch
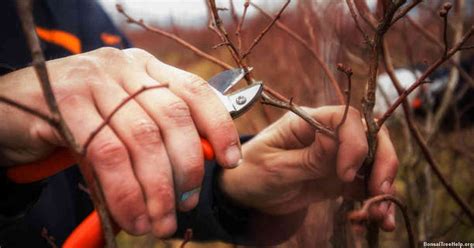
425,75
53,122
357,23
348,72
362,214
431,38
173,37
307,46
238,31
24,9
420,141
265,30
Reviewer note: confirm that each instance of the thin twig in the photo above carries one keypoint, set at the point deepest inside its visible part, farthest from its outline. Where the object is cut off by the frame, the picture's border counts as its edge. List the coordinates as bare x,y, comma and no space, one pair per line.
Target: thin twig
348,72
53,122
39,63
289,105
363,213
233,13
173,37
357,23
307,10
431,38
25,14
466,47
107,120
216,25
365,14
420,141
238,31
188,235
307,46
404,11
424,76
444,14
265,30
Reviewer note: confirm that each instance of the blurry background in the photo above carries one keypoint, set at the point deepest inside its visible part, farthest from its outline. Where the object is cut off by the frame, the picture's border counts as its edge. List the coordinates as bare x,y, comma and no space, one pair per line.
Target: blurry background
443,108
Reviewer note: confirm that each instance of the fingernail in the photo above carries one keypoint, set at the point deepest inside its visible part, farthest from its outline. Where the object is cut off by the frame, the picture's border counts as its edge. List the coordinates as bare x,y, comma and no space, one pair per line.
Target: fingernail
233,156
349,175
187,195
142,224
385,187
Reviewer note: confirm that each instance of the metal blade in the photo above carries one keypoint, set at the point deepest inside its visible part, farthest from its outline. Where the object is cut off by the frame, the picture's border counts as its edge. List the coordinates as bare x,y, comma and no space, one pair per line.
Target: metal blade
225,80
243,99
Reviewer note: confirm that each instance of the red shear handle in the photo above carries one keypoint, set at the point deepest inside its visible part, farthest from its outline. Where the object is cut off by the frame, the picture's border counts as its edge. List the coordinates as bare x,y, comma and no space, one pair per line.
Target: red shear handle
62,159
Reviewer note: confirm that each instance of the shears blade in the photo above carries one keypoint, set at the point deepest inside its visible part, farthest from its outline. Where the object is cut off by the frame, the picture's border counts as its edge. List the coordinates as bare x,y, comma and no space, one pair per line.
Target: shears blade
225,80
237,102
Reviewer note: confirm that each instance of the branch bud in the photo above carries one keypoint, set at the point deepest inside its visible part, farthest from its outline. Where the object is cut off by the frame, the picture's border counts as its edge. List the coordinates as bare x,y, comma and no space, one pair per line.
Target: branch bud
443,12
342,68
447,6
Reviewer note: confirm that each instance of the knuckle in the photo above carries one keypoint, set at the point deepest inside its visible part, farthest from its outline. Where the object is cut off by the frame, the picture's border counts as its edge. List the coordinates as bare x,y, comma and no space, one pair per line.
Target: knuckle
178,112
226,131
163,192
126,196
112,54
138,52
193,173
146,133
73,101
166,194
108,154
86,65
110,51
225,127
196,85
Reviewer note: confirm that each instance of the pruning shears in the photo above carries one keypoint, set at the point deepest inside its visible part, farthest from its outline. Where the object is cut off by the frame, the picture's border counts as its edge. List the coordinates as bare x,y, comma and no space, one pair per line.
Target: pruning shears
89,232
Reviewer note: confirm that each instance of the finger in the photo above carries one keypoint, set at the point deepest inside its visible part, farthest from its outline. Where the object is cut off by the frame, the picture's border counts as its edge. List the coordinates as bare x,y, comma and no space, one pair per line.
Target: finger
149,158
313,162
209,114
179,135
384,169
353,147
111,163
389,223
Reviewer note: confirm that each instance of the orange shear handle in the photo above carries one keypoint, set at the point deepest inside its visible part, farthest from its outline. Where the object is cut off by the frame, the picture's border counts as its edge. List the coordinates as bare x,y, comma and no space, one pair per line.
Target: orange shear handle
89,232
62,159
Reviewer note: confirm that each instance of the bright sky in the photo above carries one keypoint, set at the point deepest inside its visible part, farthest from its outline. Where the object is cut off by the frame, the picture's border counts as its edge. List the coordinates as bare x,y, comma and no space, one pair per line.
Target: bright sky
182,12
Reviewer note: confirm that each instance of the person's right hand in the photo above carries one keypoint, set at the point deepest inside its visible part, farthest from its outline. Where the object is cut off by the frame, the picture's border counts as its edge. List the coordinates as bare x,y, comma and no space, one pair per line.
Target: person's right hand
150,151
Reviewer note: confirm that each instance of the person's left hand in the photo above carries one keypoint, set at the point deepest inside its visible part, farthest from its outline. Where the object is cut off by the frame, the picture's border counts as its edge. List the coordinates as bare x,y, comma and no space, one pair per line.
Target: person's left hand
288,166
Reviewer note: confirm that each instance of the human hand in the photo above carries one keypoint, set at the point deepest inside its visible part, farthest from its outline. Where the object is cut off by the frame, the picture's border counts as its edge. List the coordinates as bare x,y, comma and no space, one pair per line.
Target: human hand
288,166
150,151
